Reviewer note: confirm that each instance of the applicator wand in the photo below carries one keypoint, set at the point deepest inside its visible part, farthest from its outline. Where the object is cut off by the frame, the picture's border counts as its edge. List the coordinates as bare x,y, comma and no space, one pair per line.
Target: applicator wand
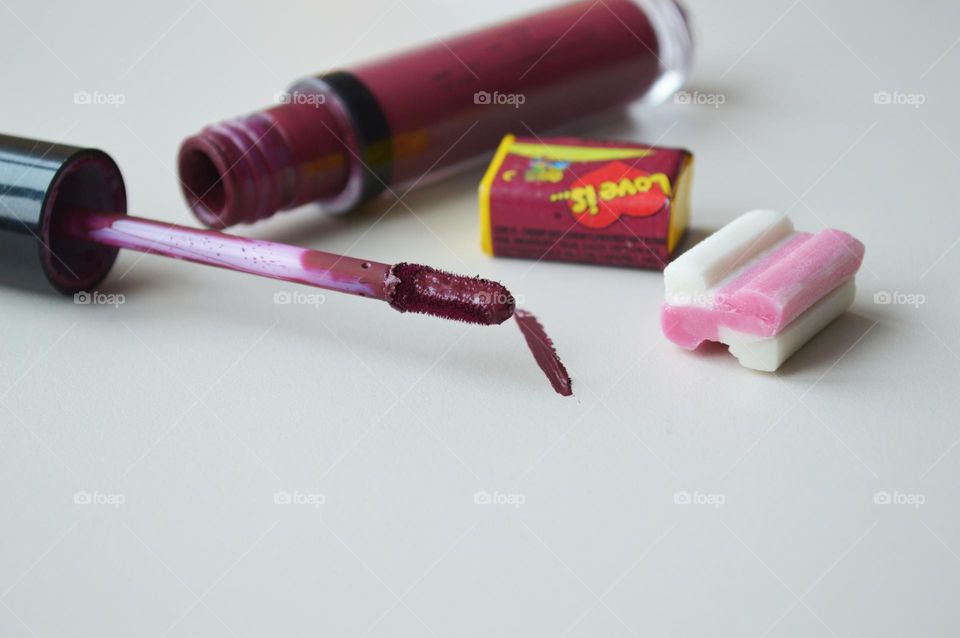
63,219
406,287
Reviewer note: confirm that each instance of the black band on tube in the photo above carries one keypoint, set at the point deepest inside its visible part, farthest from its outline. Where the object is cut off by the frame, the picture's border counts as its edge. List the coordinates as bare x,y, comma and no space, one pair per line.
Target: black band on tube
372,128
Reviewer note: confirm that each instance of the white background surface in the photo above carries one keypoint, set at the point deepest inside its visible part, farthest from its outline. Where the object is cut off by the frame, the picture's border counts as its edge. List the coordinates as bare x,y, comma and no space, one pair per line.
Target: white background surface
199,398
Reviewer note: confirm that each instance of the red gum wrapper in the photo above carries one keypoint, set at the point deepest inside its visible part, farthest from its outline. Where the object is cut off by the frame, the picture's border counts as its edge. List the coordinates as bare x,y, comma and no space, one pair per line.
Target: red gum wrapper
569,199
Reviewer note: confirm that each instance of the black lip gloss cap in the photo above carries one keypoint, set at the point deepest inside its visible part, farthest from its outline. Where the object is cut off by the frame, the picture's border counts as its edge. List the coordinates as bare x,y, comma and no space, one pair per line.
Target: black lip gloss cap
40,182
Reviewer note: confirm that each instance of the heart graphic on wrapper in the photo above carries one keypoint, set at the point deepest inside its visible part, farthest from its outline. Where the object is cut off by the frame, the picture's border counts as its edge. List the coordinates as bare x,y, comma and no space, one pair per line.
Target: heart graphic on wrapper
601,197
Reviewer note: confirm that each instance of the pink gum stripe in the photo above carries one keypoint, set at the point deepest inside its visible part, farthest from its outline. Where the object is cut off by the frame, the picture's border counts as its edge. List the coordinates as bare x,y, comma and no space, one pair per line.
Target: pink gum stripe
785,283
771,293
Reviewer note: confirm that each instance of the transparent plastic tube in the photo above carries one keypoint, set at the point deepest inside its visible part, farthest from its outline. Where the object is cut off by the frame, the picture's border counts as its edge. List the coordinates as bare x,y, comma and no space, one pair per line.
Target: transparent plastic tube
342,138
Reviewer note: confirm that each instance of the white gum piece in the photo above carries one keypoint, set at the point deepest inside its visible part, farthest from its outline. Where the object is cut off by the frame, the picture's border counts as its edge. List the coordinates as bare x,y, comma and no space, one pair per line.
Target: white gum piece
769,354
691,276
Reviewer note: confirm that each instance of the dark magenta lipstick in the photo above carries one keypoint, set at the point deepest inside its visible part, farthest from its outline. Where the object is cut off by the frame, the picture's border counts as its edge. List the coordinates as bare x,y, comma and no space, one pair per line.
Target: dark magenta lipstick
63,219
544,353
344,137
417,288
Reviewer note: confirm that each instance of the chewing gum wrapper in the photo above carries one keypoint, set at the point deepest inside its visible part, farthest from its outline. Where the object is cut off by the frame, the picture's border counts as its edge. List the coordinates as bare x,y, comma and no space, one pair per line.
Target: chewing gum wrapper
596,202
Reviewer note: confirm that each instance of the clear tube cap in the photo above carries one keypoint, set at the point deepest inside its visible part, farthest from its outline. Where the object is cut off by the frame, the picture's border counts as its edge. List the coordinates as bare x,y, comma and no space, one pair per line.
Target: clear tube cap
675,38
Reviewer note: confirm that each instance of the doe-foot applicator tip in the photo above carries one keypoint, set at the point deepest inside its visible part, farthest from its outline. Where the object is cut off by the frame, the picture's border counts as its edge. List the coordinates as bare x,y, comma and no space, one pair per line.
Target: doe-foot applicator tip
419,288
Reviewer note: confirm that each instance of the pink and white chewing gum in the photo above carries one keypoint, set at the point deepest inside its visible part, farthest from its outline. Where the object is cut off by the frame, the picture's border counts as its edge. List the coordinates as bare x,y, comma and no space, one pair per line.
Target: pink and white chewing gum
759,287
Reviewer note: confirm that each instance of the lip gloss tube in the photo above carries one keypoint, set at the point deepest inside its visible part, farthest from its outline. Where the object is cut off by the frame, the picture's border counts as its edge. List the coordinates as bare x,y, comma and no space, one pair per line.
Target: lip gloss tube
344,137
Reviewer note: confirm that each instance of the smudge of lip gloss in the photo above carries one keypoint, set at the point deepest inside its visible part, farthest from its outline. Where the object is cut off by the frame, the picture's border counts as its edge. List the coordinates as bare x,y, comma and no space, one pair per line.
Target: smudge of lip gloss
544,353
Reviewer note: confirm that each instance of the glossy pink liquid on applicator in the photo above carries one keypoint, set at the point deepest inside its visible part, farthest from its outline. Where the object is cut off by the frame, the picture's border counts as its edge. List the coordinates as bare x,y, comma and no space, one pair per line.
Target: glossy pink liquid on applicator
344,137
